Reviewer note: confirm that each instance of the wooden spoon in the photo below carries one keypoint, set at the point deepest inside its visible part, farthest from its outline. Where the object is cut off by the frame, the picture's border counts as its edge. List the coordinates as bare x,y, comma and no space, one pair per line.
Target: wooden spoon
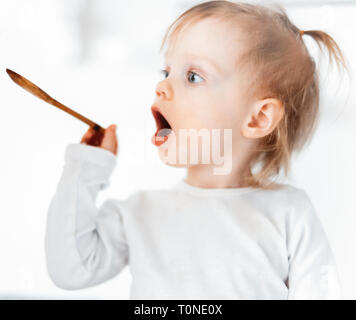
39,93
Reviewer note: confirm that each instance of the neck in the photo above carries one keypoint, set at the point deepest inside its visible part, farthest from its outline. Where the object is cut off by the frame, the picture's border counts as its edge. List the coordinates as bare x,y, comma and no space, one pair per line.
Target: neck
203,176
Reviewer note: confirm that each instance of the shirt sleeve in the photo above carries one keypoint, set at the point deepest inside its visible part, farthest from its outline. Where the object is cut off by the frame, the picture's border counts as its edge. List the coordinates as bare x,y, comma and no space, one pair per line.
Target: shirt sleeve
84,245
313,273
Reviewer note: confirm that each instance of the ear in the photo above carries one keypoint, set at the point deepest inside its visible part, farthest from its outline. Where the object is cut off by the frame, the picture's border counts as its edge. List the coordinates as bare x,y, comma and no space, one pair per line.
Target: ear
263,118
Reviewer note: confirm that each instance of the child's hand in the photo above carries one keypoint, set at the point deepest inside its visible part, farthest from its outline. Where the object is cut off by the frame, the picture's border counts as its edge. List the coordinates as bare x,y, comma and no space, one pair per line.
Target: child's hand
106,140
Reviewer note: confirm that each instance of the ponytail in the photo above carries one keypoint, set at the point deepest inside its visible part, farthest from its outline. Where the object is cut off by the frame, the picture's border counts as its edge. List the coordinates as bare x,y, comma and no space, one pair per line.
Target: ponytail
334,51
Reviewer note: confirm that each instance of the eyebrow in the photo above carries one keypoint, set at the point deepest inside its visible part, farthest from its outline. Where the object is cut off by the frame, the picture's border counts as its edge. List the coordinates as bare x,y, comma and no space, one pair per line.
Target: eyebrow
210,61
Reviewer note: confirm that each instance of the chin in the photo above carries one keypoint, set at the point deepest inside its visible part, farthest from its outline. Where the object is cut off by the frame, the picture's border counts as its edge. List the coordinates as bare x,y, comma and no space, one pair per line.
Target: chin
170,161
173,160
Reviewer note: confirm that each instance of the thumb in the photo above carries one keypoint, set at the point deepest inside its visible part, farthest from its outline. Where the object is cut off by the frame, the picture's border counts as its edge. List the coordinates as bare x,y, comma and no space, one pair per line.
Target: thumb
109,139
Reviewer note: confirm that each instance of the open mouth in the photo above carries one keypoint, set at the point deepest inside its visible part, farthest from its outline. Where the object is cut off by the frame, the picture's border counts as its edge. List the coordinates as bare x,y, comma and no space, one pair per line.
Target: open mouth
163,127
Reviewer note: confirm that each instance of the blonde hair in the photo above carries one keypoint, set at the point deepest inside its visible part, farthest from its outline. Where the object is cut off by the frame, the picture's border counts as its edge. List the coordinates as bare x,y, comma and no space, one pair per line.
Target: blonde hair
279,66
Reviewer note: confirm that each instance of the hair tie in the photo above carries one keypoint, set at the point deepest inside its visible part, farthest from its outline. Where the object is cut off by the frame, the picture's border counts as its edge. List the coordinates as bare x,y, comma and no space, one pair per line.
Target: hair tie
301,32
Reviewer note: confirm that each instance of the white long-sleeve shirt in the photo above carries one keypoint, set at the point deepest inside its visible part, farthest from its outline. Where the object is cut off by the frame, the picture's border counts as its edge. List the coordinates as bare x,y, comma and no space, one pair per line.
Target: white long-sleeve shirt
186,242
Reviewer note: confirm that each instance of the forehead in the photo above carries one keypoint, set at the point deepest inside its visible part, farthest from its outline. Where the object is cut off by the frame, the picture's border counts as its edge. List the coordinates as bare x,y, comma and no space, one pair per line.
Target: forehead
209,39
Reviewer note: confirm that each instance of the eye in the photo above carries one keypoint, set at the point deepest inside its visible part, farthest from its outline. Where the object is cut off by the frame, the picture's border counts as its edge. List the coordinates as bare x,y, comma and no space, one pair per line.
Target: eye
164,73
192,76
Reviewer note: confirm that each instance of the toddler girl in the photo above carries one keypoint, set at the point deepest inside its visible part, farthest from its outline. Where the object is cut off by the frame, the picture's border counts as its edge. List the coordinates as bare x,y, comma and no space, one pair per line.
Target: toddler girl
234,67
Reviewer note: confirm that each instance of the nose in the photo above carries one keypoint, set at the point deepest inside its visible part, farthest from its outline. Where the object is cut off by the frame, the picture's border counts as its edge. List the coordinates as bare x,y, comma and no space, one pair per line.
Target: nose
164,90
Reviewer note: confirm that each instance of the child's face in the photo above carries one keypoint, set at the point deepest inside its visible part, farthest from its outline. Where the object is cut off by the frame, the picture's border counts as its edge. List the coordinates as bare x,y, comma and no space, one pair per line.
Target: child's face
202,88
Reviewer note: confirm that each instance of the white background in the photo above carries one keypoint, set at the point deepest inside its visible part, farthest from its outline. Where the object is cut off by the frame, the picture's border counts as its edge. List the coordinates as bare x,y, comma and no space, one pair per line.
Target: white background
101,58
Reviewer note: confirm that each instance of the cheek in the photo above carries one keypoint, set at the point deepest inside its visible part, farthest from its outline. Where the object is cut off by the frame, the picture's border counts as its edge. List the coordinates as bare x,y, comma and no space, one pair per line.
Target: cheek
220,107
214,107
231,108
192,111
200,108
220,115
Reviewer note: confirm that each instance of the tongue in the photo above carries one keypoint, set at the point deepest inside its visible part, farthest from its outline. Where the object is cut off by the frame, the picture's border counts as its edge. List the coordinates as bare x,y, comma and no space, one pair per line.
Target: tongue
163,132
161,136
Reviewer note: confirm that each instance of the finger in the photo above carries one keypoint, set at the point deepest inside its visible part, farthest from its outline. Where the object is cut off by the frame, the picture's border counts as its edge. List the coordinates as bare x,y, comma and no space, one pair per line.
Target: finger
116,142
85,137
88,135
116,145
109,138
